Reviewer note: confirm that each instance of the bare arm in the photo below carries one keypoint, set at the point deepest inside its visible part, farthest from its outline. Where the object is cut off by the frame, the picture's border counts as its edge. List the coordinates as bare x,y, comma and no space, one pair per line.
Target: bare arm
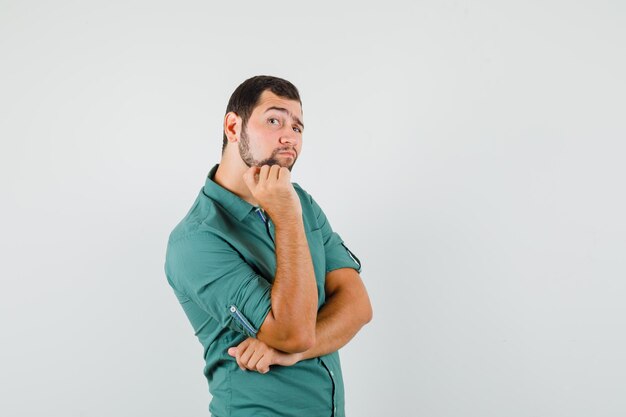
346,310
290,324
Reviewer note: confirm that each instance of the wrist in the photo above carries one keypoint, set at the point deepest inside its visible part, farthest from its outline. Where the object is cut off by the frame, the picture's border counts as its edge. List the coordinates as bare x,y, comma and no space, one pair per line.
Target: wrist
300,356
287,220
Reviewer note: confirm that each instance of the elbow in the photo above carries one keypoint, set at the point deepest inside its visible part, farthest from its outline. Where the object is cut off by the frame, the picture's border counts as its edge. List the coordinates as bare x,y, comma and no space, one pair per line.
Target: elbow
368,314
369,317
299,343
290,338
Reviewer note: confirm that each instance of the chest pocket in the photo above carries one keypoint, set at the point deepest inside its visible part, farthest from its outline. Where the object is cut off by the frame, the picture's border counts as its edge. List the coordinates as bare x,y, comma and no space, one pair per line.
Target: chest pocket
318,255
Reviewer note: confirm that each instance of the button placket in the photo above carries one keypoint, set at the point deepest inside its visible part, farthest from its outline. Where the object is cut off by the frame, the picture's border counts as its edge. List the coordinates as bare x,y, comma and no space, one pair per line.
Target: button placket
266,221
334,395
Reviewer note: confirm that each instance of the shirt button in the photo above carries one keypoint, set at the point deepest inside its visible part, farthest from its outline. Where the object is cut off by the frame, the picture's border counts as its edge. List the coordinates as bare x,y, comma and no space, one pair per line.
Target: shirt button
331,373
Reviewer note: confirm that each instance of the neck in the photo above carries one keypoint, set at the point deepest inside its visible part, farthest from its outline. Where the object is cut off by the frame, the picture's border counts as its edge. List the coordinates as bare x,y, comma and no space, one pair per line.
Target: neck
229,175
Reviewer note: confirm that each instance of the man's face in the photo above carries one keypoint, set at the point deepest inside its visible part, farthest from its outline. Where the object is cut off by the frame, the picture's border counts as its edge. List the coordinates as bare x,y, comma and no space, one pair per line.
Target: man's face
275,126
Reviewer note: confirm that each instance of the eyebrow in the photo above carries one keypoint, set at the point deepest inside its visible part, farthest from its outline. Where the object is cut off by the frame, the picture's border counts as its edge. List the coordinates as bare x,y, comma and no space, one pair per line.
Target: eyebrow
282,109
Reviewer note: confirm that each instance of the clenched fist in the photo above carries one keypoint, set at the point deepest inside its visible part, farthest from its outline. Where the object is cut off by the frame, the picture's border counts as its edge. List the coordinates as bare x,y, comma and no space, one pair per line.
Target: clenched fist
271,187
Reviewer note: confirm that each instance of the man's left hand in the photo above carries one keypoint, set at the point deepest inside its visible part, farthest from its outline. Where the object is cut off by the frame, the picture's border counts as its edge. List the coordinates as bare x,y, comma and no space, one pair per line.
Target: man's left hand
255,355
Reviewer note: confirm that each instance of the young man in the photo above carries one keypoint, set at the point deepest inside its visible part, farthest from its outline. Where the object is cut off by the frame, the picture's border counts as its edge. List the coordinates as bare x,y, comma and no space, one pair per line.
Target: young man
270,289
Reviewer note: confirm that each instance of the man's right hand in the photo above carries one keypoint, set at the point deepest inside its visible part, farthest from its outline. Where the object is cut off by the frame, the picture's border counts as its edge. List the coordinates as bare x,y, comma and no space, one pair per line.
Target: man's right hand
290,323
272,188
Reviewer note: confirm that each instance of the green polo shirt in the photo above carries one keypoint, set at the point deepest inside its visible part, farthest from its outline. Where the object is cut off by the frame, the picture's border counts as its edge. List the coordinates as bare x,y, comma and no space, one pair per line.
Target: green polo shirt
221,263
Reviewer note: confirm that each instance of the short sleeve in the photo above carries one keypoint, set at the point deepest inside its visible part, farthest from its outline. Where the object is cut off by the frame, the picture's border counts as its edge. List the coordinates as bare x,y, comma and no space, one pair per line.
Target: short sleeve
337,253
209,271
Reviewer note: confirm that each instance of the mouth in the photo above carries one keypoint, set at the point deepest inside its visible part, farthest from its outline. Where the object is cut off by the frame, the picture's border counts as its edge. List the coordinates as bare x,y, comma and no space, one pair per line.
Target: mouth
293,155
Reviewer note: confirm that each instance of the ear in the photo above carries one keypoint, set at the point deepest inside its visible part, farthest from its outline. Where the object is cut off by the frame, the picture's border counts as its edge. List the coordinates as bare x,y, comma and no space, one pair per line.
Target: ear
232,126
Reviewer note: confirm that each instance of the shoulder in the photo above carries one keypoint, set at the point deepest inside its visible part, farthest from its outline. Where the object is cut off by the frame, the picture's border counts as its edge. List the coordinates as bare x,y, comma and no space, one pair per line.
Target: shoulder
200,223
311,211
197,252
302,193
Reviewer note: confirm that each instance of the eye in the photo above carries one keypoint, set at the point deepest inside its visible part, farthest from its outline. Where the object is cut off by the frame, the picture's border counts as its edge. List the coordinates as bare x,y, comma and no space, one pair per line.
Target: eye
272,119
297,129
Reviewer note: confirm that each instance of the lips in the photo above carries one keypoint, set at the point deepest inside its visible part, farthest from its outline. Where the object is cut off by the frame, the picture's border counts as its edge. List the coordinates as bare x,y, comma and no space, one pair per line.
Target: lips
288,153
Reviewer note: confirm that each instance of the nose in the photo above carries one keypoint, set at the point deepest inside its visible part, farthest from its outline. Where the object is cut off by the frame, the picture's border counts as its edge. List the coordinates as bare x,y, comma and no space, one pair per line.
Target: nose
288,136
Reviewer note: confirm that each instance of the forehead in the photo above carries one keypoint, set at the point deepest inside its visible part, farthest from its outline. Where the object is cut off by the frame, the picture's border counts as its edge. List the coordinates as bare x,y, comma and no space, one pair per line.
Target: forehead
269,99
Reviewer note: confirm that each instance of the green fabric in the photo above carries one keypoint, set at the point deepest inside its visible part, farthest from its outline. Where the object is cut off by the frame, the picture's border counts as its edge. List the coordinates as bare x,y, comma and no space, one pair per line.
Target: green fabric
221,263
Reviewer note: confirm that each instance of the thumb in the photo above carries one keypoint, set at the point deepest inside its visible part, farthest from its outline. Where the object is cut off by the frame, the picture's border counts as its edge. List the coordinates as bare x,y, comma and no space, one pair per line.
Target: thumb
232,351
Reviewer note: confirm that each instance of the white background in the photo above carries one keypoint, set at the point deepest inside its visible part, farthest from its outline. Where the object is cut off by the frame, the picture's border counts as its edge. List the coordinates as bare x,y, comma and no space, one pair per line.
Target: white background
471,154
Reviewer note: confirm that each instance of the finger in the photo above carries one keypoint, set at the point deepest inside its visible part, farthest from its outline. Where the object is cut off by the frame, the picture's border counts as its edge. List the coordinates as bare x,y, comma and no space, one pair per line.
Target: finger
237,354
241,365
254,359
274,171
250,177
284,174
241,350
263,173
244,344
263,365
244,358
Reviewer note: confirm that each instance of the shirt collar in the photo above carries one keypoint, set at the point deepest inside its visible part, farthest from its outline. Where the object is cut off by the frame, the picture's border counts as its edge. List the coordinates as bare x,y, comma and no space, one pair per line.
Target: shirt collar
230,201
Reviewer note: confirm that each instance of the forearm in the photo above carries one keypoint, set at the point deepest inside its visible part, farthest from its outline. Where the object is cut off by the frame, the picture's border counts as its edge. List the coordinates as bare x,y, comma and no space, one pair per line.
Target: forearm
290,323
294,291
338,321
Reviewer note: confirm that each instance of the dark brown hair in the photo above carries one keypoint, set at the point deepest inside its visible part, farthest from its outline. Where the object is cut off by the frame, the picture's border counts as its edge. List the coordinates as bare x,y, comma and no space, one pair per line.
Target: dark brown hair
245,97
